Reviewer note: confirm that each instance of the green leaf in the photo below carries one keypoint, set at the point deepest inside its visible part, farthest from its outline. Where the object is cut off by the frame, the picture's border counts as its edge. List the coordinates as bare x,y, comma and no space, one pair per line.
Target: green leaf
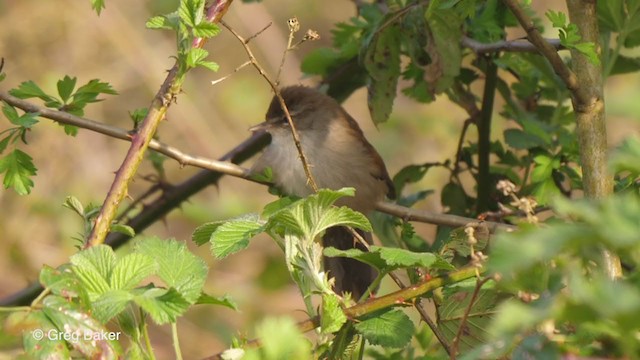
110,304
443,47
93,266
97,5
625,65
26,121
130,270
202,234
558,19
89,334
332,317
163,22
195,55
388,259
382,61
71,202
206,30
178,267
225,301
234,235
123,229
30,323
456,303
29,89
281,339
625,157
163,305
314,214
95,86
61,282
18,169
65,87
191,12
389,329
213,66
519,139
276,206
409,174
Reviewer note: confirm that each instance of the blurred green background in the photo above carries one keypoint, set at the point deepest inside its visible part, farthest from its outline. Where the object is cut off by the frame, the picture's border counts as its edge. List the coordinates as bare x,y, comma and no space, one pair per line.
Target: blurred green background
45,40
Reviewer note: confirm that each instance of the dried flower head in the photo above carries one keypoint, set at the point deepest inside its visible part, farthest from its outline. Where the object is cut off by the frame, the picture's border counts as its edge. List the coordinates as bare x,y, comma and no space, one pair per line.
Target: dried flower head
294,24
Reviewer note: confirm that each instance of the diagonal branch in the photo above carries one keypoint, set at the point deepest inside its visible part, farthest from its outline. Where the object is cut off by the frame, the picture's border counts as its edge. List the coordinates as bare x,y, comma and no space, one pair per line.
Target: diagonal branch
579,93
141,138
518,45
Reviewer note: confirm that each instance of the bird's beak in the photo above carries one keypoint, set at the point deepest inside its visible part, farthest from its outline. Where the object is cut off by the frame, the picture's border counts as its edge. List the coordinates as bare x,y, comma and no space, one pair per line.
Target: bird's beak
263,126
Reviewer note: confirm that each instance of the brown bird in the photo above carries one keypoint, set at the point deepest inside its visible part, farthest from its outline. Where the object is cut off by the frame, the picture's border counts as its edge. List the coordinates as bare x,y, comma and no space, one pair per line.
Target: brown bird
339,156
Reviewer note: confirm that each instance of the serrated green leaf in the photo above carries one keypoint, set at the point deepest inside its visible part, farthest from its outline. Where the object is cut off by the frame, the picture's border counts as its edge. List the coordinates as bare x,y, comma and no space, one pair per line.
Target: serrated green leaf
382,61
5,141
455,304
71,202
18,169
70,130
234,235
191,12
61,282
225,301
123,229
130,270
558,19
71,319
389,329
202,234
30,322
519,139
98,5
110,304
163,305
10,112
178,267
65,87
443,48
332,317
213,66
25,121
388,259
314,214
93,267
95,86
274,207
206,30
396,257
160,22
29,89
195,56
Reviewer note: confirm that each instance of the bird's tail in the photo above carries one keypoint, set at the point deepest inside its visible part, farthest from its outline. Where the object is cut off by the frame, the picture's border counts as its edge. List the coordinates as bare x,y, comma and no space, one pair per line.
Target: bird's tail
350,275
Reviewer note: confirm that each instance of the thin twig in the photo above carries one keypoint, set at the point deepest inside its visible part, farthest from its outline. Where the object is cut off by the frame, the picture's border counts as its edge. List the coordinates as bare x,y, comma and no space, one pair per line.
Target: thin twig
294,132
246,63
294,27
549,52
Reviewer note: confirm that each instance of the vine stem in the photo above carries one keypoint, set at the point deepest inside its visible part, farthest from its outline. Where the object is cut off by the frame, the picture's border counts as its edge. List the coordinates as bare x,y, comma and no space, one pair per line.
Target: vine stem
142,137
